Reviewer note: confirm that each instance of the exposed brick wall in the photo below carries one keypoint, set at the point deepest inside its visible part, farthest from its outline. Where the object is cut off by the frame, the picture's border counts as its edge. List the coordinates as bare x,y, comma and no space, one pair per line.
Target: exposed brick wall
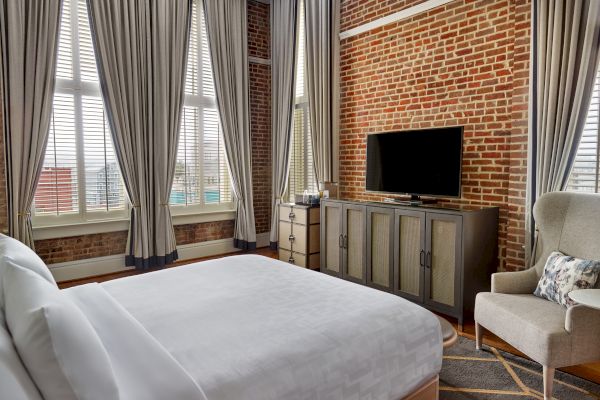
196,233
259,26
98,245
465,63
81,247
259,40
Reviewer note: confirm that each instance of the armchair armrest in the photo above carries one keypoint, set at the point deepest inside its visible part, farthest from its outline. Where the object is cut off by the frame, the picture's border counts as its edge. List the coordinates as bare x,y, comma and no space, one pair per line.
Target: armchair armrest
582,321
521,282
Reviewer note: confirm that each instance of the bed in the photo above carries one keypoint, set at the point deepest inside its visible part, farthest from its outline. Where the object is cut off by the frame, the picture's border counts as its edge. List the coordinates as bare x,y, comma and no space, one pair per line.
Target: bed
250,327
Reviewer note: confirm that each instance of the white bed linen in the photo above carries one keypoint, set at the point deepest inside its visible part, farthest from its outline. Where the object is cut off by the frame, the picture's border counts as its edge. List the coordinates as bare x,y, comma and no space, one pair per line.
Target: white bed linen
249,327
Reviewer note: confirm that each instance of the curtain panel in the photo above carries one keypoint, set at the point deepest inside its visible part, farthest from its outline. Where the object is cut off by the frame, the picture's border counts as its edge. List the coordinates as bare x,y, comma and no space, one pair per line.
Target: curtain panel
566,53
284,25
141,49
322,74
29,32
226,28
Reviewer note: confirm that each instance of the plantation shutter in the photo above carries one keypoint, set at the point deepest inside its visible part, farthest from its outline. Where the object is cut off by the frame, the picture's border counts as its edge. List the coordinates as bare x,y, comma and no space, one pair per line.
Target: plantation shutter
201,175
80,172
301,175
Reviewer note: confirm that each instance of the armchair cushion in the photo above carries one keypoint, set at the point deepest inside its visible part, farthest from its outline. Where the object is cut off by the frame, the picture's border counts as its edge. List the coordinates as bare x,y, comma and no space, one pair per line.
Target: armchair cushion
562,274
521,282
532,325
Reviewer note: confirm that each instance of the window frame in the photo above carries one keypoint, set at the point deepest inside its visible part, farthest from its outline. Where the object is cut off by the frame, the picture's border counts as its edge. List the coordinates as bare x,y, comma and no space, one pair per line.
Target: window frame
202,102
78,89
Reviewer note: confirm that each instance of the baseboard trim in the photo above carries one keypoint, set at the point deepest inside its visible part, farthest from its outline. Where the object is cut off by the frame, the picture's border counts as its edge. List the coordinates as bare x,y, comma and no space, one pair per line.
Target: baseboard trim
89,267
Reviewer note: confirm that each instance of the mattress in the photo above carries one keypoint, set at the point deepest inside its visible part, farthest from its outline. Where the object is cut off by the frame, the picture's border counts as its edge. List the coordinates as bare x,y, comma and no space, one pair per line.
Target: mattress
250,327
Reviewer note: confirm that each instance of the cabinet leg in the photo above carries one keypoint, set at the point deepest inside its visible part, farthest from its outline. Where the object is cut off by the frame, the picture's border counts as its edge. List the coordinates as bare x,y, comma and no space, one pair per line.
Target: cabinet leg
460,325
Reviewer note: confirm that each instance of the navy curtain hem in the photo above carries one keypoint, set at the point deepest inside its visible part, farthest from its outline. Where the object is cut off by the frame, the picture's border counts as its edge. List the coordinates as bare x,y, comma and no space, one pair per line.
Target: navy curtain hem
152,262
244,245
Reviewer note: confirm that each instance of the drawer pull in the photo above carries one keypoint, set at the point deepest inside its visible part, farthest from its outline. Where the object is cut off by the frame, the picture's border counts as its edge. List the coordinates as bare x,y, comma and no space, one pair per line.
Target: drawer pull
291,215
291,260
291,238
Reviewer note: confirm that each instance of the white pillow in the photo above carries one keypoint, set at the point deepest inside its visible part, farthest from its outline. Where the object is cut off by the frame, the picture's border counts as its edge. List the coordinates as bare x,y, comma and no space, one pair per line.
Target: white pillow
56,342
15,382
20,254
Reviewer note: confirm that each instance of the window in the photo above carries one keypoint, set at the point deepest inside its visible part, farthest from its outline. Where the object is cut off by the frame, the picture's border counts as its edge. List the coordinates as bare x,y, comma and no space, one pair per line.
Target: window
80,178
585,175
302,173
201,175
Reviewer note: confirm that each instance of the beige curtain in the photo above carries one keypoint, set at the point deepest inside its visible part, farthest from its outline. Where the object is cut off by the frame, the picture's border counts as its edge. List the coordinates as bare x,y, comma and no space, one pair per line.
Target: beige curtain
29,45
141,49
283,62
565,60
322,58
226,28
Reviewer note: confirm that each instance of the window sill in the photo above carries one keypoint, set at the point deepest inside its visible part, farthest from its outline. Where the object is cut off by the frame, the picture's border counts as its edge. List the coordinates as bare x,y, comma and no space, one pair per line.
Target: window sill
87,228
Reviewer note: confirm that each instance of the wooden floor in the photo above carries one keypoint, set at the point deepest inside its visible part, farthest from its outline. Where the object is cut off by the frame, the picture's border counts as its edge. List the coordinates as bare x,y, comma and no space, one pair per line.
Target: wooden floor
588,371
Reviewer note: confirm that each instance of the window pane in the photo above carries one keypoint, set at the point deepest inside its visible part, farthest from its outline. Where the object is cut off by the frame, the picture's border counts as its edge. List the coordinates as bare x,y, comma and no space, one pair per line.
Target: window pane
301,175
57,188
201,175
103,185
64,62
585,173
80,171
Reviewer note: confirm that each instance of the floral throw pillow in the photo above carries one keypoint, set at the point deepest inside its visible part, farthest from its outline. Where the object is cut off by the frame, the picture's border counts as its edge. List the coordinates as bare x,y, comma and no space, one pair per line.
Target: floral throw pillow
562,274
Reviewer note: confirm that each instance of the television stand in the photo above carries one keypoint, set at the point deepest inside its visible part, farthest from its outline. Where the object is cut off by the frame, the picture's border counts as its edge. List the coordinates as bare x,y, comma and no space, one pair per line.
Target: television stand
413,201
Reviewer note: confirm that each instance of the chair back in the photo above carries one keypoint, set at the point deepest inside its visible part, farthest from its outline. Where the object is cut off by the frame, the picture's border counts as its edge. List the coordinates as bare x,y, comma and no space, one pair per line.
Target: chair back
568,222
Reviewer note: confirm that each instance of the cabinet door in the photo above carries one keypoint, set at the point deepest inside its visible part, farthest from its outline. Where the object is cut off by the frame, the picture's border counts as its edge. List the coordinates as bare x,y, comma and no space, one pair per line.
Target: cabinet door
409,254
380,248
331,238
443,261
354,243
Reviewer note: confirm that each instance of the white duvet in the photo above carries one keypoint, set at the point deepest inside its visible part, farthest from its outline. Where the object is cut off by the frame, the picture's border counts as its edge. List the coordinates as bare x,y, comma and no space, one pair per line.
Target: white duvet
249,327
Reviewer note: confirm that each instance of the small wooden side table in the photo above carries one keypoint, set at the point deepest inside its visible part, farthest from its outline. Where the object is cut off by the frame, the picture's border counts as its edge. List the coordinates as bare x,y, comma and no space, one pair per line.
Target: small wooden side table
586,297
449,334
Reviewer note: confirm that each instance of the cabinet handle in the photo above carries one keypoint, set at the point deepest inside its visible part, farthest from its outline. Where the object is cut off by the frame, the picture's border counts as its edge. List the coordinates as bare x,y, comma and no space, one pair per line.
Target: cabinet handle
422,258
428,260
291,238
341,241
345,241
291,215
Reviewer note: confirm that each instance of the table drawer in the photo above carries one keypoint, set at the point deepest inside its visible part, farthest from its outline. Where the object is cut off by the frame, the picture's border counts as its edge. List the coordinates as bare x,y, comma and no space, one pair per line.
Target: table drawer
301,260
298,215
293,235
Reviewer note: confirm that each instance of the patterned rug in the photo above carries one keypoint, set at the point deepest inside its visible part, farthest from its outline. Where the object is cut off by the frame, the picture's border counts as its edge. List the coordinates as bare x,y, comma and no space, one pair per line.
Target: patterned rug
490,374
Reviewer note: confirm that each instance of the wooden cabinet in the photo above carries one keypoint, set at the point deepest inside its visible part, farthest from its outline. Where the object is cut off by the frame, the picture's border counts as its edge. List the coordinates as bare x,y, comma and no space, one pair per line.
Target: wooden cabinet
353,243
435,256
409,254
380,248
299,235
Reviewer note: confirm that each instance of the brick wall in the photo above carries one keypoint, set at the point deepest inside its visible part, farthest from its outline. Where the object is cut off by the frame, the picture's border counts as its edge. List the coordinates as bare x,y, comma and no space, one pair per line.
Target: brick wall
465,63
104,244
259,40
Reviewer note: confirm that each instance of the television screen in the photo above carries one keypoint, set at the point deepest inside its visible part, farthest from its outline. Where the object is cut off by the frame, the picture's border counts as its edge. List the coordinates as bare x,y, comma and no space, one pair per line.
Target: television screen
421,162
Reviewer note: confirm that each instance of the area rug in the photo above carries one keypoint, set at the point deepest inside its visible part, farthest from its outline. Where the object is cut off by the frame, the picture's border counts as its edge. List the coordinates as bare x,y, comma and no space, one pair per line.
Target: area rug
491,374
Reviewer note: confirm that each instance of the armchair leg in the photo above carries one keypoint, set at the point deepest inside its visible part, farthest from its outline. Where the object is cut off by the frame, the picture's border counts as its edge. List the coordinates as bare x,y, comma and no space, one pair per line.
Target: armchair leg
478,335
548,381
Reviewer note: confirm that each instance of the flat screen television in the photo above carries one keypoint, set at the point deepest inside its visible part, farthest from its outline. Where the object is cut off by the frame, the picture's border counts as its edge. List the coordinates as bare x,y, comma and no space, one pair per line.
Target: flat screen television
423,162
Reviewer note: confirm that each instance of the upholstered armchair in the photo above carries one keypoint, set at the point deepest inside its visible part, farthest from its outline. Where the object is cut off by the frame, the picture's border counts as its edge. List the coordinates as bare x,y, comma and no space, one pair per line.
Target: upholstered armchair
545,331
